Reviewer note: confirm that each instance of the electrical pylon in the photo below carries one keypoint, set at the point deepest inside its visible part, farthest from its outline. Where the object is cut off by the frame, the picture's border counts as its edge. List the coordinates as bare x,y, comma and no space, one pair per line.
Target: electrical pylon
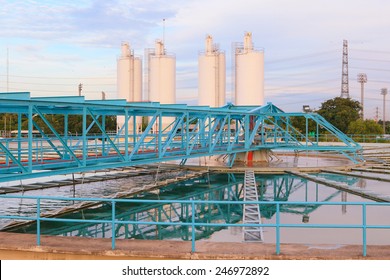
344,76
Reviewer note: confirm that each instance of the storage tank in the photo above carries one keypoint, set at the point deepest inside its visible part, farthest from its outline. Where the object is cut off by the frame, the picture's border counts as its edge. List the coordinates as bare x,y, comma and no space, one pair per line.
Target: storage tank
249,73
129,81
161,77
212,75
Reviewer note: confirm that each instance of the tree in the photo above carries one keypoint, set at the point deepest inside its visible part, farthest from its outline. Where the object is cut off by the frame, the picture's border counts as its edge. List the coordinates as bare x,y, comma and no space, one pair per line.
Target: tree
364,127
299,123
340,112
387,126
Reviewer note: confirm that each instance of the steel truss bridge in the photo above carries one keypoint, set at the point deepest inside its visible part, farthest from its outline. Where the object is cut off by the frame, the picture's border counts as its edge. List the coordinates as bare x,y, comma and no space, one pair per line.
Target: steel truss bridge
40,150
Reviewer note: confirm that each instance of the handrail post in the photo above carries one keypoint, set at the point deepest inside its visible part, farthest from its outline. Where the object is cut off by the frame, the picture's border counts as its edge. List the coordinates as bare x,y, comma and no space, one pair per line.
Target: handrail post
193,227
113,225
364,230
38,221
277,228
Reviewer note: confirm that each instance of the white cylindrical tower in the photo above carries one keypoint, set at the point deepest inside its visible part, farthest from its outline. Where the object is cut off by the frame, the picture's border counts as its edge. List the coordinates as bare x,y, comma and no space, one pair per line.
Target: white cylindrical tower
212,76
129,81
162,78
249,73
129,75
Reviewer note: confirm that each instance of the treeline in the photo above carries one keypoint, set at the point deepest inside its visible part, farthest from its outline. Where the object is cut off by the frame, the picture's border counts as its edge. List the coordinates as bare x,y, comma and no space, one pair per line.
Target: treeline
9,122
345,114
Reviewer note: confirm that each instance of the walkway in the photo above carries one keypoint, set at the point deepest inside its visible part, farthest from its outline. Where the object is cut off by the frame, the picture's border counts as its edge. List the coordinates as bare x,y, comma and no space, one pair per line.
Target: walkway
22,246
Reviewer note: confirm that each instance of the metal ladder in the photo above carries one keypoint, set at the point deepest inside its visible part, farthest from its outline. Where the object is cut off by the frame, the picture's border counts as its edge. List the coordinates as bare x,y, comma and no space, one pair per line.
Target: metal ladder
251,213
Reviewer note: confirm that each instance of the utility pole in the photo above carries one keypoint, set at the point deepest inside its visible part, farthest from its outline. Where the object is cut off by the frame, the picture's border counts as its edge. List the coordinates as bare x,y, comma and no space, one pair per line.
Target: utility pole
163,31
344,75
377,114
362,79
384,93
7,70
80,88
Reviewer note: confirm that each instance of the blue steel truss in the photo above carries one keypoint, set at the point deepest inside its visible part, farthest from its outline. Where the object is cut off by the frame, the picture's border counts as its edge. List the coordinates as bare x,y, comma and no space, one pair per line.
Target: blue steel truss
193,131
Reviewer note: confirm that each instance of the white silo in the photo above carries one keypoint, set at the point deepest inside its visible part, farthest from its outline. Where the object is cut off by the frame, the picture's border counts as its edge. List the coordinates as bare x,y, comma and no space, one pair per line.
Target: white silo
249,73
212,75
161,77
129,81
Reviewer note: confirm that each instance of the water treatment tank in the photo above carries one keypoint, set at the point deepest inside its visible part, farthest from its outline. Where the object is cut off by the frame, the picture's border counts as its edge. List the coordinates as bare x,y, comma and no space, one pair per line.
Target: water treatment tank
212,75
161,81
249,73
129,75
129,81
162,75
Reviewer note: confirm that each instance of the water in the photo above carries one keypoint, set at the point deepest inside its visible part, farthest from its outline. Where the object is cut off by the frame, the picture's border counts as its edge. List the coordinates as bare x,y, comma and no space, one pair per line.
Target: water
226,187
27,207
370,185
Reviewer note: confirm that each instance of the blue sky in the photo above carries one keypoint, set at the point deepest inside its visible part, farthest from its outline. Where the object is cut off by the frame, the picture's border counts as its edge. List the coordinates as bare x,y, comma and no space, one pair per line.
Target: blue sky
55,45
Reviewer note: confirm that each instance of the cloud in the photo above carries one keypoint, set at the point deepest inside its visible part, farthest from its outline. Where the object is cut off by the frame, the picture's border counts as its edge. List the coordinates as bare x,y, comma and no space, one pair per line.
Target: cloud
302,39
81,22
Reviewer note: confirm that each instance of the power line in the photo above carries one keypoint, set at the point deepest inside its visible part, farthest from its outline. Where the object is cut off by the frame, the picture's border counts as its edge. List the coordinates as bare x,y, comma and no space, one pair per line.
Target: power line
271,75
289,66
370,51
47,77
369,59
305,84
300,57
372,69
42,84
310,92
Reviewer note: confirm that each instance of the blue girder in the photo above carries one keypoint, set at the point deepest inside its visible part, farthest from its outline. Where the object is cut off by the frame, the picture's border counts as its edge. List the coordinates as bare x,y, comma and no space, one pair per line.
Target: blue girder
194,131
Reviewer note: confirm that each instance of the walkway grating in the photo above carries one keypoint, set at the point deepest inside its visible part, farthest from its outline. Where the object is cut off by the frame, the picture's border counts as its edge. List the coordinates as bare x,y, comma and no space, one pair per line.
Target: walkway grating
251,212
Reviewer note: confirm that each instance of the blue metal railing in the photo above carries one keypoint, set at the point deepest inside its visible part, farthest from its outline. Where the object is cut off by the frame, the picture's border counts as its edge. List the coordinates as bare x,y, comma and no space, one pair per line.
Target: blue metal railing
38,218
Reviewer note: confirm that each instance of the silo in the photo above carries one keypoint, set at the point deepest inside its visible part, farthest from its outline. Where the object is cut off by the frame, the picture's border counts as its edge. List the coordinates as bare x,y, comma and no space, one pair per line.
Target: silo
249,86
249,73
212,75
129,81
161,77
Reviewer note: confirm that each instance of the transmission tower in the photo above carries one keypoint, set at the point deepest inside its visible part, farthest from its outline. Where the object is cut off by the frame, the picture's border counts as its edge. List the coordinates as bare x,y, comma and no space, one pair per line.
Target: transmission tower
344,76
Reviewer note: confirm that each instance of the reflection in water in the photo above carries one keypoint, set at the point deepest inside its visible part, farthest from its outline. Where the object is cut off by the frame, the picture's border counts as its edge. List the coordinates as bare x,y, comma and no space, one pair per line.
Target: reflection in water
362,183
344,199
200,189
222,187
215,187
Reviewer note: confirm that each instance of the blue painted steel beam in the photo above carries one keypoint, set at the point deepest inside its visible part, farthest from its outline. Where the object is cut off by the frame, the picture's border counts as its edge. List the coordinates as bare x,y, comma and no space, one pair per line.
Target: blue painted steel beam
193,131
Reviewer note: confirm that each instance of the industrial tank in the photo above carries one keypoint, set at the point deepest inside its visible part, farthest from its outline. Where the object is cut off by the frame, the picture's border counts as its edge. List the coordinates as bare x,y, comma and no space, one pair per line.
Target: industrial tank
129,81
212,75
249,73
161,74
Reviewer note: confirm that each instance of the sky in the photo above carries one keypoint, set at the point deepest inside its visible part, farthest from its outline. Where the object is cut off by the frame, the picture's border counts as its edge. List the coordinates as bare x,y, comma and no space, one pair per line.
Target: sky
49,47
